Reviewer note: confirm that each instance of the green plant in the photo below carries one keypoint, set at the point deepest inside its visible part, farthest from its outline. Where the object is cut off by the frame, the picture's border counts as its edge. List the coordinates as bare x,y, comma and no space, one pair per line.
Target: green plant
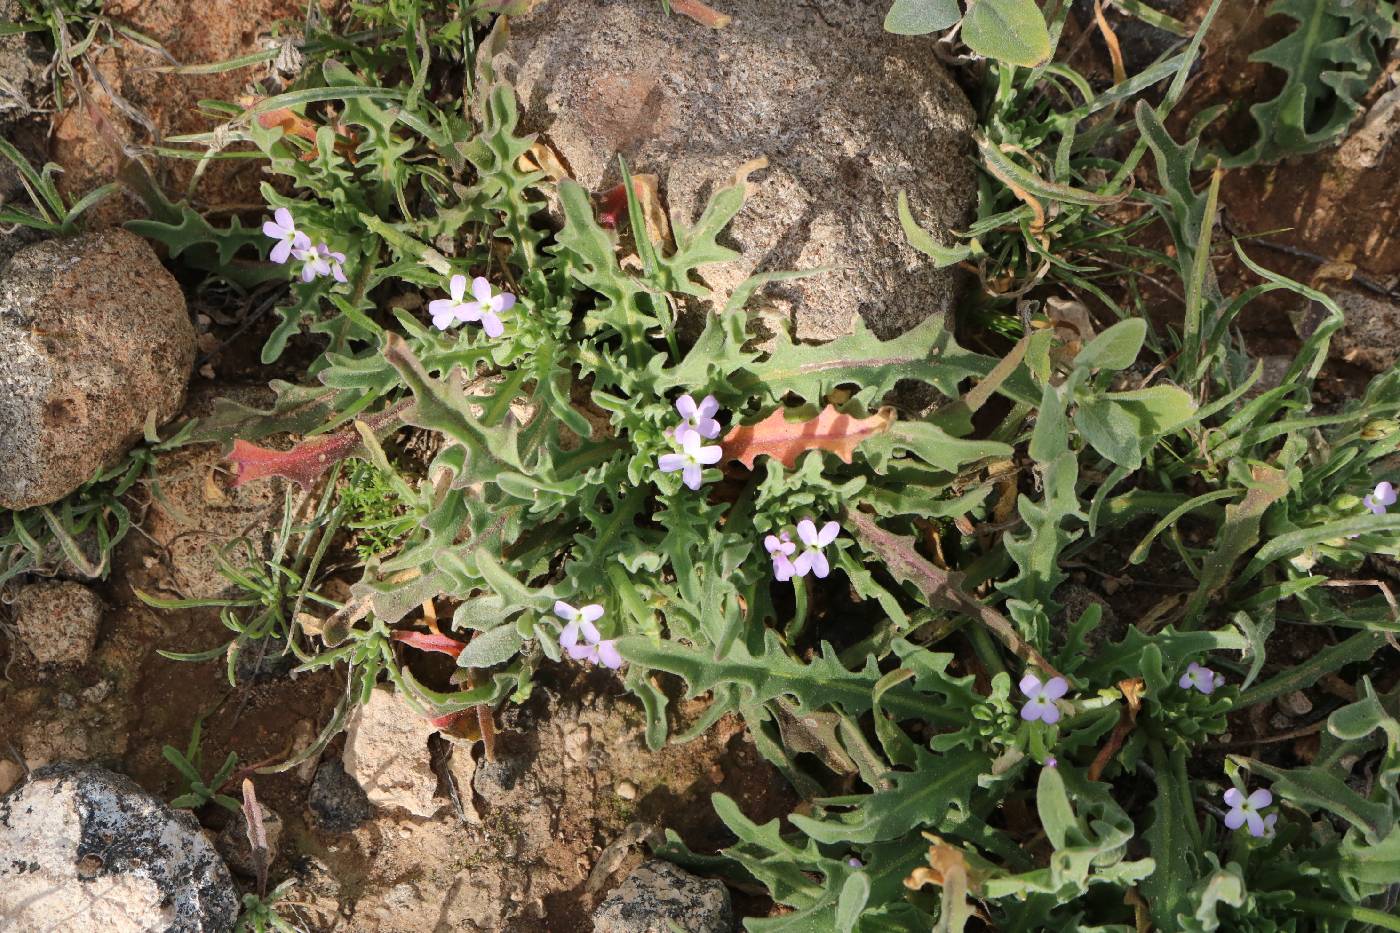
600,490
189,763
52,213
1011,31
1331,59
79,533
259,913
271,590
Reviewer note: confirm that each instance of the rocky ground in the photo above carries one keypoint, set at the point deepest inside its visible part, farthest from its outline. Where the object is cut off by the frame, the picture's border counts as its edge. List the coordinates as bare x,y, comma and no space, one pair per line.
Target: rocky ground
396,826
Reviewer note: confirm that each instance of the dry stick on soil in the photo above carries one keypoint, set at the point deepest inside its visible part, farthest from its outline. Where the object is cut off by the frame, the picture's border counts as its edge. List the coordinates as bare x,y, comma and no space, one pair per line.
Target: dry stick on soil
941,588
1389,600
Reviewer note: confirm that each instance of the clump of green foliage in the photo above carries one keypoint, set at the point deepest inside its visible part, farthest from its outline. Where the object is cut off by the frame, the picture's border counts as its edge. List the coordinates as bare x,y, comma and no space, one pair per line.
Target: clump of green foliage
896,678
1331,57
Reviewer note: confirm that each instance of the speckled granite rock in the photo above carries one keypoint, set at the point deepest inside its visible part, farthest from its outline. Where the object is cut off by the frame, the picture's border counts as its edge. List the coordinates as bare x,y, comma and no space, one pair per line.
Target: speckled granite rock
847,115
658,897
57,621
84,850
1370,336
93,337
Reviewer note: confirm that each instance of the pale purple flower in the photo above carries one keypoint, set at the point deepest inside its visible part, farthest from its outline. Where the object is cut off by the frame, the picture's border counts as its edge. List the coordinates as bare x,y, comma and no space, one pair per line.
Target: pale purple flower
283,229
692,458
812,559
320,260
592,648
1041,705
1245,811
489,306
855,863
449,311
781,547
1380,499
1052,762
1199,677
699,417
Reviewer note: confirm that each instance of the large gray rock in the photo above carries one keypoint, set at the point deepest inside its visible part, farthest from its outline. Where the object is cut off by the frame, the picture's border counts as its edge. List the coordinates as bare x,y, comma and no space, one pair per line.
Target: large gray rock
93,337
658,897
57,621
85,850
846,114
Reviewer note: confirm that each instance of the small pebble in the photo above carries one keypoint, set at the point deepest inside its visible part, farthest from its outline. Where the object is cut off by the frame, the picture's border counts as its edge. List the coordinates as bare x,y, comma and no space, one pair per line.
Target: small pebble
1295,703
626,790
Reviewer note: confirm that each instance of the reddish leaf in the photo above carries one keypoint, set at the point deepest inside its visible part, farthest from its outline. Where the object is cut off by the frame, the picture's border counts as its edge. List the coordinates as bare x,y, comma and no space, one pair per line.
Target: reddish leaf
305,462
294,124
785,440
423,641
701,13
612,205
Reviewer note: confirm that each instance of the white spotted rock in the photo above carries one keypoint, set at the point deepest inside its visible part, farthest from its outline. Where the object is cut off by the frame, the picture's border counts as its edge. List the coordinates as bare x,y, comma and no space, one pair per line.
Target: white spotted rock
658,897
85,850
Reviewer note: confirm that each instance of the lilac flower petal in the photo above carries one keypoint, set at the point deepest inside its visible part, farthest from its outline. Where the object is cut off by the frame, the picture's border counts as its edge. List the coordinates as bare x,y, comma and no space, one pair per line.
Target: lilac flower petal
807,531
607,653
284,218
583,652
457,288
1255,821
1233,798
708,428
564,611
281,252
492,324
503,302
1030,685
1051,713
1385,493
709,405
1206,683
771,544
803,564
685,406
443,312
468,312
1234,819
273,229
1375,507
690,442
1032,710
1260,799
481,290
692,475
820,565
587,629
1055,688
1186,682
568,636
828,533
338,274
670,463
307,272
782,568
709,455
591,613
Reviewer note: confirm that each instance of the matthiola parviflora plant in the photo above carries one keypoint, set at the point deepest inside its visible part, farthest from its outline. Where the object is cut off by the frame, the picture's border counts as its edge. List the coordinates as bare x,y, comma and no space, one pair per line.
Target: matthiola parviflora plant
881,594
